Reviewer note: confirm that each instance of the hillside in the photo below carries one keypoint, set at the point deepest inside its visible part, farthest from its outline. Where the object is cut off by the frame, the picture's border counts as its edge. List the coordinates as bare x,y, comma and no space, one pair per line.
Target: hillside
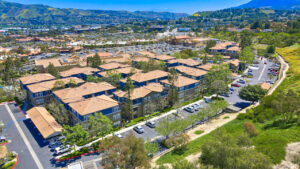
273,4
18,14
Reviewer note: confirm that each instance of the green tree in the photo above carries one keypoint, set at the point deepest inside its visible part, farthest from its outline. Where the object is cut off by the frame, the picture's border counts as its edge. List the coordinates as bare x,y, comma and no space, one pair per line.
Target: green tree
151,148
209,45
184,164
128,108
72,83
52,70
219,87
99,125
165,127
74,135
218,58
227,151
271,49
59,84
129,153
113,77
173,92
218,72
247,56
91,78
250,129
246,39
252,93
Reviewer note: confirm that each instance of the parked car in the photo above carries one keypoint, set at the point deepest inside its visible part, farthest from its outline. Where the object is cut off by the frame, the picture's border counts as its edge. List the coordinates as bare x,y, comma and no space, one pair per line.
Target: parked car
62,147
197,106
225,94
242,81
58,144
207,99
61,151
119,135
265,63
150,124
235,85
231,89
138,129
189,109
250,70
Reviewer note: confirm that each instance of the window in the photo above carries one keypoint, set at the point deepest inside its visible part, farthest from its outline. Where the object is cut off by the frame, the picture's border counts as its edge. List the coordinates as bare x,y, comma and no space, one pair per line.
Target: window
116,109
181,88
181,95
116,117
147,98
39,101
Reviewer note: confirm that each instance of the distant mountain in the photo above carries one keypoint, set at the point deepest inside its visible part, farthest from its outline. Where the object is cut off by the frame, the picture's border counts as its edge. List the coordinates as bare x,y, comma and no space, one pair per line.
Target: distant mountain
18,14
273,4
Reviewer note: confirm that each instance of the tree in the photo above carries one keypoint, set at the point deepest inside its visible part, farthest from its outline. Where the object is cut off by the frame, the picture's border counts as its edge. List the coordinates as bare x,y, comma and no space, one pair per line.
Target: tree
151,148
252,93
227,151
178,141
246,39
129,153
59,84
91,78
287,105
218,58
173,93
218,72
128,108
74,135
72,83
52,70
165,127
184,164
271,49
113,77
209,45
219,87
99,125
59,112
247,55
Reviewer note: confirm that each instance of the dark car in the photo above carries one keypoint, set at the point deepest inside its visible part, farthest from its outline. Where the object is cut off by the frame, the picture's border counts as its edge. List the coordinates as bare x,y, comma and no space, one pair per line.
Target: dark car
150,124
242,81
138,129
235,85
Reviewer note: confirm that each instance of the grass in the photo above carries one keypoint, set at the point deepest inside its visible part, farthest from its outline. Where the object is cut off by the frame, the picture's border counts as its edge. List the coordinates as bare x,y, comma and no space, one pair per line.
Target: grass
270,141
8,165
198,132
226,117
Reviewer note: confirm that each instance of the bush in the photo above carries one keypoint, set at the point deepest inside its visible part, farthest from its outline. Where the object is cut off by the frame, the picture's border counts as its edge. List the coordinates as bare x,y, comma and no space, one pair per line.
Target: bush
198,132
135,121
76,153
226,117
250,129
8,165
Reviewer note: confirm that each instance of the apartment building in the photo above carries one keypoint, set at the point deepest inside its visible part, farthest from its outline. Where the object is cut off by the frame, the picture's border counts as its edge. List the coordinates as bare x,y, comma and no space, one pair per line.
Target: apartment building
81,73
182,62
193,73
36,78
231,49
123,71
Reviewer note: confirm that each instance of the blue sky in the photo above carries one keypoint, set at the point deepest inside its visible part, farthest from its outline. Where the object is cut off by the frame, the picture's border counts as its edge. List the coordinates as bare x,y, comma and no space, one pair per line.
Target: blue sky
186,6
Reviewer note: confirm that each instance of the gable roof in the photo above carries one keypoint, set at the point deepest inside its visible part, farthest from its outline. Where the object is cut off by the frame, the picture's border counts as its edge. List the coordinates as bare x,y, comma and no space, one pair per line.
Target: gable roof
78,70
44,122
94,104
189,62
45,62
36,78
206,67
49,85
181,81
125,70
155,74
191,71
69,95
141,91
112,65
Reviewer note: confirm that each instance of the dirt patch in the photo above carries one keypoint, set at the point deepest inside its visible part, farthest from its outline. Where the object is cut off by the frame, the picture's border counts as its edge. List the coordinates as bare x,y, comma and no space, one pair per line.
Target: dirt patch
3,151
291,151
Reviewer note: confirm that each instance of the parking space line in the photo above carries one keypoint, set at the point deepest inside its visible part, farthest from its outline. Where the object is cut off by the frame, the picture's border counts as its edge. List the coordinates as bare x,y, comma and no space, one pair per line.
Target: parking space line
33,154
262,72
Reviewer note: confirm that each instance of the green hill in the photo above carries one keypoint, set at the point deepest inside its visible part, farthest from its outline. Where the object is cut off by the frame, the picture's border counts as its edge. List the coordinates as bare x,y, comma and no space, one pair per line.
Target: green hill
18,14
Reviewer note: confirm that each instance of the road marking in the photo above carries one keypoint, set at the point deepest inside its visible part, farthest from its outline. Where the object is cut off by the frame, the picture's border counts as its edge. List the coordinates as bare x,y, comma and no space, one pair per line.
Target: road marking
262,72
33,154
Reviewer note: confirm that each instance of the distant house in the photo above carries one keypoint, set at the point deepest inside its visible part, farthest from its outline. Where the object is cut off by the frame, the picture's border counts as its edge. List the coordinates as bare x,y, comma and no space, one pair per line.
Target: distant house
206,67
111,66
234,65
36,78
40,93
88,107
187,88
142,79
44,122
153,94
192,72
184,62
135,60
164,58
79,72
226,48
42,64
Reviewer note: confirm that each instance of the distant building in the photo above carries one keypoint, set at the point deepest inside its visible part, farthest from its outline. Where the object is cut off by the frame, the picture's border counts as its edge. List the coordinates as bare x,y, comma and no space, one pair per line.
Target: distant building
111,66
153,94
226,48
187,88
183,62
193,73
79,72
36,78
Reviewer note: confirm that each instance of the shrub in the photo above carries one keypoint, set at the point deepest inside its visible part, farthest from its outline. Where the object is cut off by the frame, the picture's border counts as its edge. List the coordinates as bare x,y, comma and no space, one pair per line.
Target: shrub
8,165
198,132
76,153
226,117
250,129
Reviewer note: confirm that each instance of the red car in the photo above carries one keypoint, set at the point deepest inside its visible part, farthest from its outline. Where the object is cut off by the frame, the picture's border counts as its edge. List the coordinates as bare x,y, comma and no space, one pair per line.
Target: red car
265,62
235,85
